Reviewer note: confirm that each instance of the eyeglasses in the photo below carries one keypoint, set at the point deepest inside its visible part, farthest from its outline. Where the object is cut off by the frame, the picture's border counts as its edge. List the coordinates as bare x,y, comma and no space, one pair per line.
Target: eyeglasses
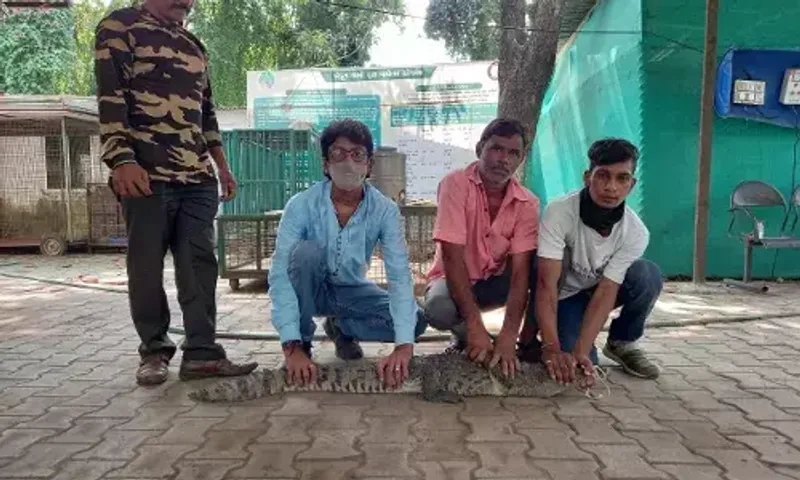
338,154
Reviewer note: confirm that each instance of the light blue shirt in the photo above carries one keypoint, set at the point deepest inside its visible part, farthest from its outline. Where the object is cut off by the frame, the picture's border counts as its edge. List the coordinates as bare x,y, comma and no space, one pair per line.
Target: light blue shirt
310,215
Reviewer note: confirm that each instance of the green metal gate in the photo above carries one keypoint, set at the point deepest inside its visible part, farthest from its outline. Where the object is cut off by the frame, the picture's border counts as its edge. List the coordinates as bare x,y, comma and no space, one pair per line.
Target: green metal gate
270,166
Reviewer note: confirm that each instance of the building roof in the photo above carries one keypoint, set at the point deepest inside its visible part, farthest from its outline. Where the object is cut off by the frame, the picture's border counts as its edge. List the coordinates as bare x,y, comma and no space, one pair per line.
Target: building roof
572,17
44,106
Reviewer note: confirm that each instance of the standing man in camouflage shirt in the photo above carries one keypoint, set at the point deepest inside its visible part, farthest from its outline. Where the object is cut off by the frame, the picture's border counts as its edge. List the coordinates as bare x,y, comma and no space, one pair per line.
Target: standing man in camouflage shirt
160,136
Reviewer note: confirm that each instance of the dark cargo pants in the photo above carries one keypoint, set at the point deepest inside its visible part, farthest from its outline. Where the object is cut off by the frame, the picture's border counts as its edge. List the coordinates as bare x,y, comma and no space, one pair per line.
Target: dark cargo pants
178,218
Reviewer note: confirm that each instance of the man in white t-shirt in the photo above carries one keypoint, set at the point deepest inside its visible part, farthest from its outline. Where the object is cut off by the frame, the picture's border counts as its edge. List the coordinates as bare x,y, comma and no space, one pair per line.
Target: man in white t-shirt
589,262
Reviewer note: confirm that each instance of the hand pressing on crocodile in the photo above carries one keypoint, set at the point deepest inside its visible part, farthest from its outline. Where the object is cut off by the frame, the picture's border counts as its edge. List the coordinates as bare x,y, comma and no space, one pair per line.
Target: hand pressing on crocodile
393,370
505,354
560,365
479,343
300,369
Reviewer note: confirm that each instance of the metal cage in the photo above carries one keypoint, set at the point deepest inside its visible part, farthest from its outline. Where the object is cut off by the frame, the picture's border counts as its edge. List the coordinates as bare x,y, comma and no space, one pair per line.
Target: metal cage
49,153
245,244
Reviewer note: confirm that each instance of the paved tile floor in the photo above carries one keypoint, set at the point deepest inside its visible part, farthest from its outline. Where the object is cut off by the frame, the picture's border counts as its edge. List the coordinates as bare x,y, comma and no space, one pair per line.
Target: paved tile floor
726,406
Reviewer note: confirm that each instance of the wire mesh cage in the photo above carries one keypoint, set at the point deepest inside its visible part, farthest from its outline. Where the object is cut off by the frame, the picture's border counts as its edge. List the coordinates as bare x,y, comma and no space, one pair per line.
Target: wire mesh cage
246,244
48,154
106,217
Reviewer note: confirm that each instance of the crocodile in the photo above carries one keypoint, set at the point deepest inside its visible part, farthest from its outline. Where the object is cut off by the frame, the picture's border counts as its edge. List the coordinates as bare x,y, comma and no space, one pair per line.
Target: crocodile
440,378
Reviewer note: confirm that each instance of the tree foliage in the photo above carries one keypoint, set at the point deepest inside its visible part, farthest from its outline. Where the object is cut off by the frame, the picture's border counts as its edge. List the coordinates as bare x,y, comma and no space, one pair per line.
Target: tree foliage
53,51
469,28
272,34
37,50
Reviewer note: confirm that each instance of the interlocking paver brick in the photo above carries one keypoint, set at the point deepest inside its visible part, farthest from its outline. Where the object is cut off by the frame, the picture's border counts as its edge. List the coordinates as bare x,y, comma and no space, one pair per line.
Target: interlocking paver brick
505,460
635,419
40,460
59,418
700,372
440,445
792,472
228,444
120,406
85,469
484,406
692,472
7,423
701,434
340,416
760,410
782,397
386,458
533,414
185,431
14,442
491,429
331,445
12,396
569,469
752,381
554,444
153,461
694,400
673,381
399,405
96,397
326,470
741,465
246,418
671,410
117,445
87,431
446,470
298,405
153,418
623,461
287,429
205,410
269,461
596,430
772,449
790,430
732,423
50,380
433,416
69,388
34,406
205,469
665,447
385,429
578,407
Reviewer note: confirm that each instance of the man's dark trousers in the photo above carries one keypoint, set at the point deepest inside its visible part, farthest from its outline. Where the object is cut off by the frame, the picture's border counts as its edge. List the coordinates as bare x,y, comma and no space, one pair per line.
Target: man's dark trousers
178,218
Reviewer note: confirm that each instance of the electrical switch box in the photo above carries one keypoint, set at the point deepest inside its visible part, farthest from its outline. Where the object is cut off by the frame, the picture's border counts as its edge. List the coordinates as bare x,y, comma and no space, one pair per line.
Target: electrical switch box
790,90
749,92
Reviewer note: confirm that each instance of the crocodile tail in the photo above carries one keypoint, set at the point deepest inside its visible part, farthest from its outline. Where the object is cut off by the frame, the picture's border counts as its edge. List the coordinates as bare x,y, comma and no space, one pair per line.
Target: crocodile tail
261,383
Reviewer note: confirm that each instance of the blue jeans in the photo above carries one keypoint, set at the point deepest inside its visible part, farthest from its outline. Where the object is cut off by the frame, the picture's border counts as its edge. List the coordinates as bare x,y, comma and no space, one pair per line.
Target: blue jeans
361,311
637,295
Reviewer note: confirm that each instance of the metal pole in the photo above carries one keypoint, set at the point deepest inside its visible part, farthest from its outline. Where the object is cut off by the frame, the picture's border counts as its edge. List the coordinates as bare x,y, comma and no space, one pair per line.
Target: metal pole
704,160
67,178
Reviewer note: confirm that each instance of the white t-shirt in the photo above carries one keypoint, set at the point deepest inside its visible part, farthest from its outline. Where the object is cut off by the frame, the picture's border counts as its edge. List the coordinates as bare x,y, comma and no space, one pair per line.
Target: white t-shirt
586,255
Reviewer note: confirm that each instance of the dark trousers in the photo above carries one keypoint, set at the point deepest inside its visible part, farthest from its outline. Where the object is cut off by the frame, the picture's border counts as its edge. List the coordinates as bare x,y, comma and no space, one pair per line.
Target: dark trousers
178,218
362,310
637,296
443,314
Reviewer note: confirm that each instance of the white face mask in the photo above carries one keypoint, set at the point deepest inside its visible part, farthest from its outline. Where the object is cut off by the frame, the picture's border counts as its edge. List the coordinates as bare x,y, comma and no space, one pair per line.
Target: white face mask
347,175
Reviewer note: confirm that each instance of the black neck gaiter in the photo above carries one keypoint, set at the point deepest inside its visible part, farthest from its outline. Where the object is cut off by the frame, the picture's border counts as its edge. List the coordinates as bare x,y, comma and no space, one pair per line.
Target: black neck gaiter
599,218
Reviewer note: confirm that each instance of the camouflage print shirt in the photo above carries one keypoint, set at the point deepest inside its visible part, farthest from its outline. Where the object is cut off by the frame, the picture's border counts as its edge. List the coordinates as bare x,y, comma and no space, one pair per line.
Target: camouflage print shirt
154,97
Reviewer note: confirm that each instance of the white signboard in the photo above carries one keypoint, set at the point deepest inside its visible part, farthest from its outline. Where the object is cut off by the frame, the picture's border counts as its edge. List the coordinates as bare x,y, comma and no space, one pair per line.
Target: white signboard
434,114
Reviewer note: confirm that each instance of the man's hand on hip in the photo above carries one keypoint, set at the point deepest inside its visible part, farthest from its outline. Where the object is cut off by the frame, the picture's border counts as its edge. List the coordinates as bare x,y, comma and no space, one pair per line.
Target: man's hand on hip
228,183
393,370
131,180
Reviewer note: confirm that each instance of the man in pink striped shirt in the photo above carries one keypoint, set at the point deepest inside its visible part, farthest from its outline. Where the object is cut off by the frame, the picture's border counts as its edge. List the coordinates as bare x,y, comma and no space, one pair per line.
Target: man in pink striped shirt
486,232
